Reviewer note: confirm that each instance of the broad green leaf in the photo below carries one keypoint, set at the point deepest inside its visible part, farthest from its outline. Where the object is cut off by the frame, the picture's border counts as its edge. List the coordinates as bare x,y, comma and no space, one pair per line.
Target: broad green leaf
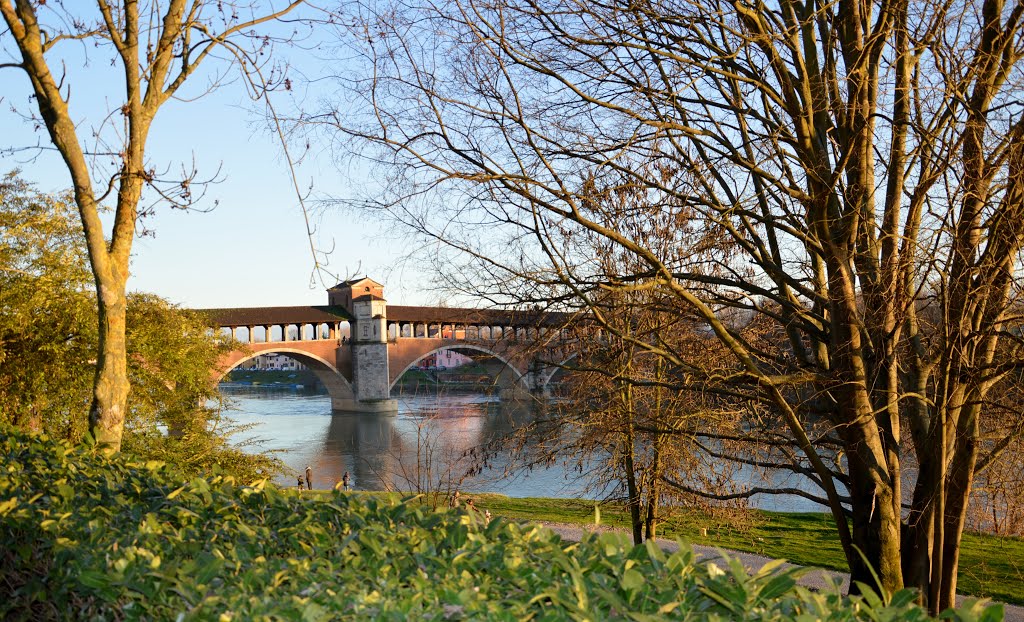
631,580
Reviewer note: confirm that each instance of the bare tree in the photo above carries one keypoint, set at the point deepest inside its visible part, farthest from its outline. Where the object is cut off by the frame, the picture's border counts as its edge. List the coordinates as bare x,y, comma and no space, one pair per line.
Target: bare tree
861,159
158,47
997,493
626,412
439,469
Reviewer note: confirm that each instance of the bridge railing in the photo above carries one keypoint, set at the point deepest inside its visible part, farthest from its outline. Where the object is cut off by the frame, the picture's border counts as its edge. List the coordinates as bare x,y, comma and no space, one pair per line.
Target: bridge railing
486,332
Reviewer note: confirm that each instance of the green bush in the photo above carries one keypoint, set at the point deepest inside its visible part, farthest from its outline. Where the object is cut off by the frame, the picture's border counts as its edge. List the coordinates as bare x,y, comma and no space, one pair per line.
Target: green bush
90,538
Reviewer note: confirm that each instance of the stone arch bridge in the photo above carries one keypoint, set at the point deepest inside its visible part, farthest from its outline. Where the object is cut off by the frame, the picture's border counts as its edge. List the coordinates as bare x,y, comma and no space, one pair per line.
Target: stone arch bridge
359,347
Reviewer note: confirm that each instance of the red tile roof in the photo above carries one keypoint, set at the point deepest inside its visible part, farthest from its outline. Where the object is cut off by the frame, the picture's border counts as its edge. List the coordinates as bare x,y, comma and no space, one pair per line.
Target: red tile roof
259,316
351,282
486,317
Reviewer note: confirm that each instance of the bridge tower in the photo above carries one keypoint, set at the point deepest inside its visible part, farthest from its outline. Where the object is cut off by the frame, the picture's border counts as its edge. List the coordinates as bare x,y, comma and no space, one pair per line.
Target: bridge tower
369,343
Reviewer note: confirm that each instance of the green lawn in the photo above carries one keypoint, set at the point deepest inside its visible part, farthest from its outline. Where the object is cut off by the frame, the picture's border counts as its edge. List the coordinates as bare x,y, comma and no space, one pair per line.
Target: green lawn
990,566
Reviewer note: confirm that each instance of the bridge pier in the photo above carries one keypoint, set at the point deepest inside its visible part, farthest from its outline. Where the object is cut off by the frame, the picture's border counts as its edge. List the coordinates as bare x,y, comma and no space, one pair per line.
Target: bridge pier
529,389
352,405
369,358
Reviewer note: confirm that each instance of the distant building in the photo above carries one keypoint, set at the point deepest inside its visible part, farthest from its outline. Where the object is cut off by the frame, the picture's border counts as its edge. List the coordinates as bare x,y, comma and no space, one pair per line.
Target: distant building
274,362
444,359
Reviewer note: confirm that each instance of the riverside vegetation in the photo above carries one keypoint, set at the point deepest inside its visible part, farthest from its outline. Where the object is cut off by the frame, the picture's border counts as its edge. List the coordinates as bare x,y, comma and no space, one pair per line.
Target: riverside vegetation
49,341
92,537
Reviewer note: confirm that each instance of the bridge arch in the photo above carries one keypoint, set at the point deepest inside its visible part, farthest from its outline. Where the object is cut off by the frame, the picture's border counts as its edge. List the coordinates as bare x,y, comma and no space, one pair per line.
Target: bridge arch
551,371
517,379
337,385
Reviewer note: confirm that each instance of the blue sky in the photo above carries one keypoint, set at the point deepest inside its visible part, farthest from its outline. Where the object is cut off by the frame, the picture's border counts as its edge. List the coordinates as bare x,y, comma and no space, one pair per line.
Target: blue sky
252,249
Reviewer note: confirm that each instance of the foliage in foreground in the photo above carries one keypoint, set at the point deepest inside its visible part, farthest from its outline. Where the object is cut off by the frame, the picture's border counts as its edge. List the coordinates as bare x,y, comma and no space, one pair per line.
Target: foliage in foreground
88,537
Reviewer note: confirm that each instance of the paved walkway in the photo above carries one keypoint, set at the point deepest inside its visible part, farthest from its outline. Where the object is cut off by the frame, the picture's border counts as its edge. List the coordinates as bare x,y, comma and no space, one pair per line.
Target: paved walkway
814,579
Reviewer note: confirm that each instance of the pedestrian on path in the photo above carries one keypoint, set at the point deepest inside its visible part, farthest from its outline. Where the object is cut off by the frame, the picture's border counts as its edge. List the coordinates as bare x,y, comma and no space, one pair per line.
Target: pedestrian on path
309,477
344,481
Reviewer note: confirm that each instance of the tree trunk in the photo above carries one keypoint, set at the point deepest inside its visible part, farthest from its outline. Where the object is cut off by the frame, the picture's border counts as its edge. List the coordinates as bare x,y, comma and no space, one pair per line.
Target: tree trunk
629,466
634,498
654,469
958,492
890,561
874,557
653,490
918,534
862,555
110,390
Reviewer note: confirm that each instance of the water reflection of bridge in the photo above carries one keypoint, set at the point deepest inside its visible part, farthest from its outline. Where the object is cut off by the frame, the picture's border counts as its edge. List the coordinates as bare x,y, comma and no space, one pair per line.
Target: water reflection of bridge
430,434
359,347
425,453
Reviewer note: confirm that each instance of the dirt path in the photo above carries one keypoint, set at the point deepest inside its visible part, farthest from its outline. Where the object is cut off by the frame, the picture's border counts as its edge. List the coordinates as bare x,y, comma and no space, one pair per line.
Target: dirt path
814,579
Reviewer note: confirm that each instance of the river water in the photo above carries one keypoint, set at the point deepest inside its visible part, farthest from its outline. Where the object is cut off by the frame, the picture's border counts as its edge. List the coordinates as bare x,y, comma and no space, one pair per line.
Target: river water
428,445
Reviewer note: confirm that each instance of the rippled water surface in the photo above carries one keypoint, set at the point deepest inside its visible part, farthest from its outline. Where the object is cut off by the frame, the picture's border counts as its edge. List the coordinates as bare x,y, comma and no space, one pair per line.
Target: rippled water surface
425,446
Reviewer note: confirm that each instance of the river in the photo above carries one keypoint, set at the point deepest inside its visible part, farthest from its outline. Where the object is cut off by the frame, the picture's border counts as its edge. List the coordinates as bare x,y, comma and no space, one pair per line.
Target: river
425,446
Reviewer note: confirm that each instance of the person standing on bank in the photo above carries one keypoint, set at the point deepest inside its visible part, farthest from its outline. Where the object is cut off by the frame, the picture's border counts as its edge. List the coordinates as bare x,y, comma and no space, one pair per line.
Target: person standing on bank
309,478
344,481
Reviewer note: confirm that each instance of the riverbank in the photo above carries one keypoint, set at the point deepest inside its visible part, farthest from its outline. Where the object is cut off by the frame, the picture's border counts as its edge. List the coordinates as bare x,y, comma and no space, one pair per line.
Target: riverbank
990,566
412,382
275,378
466,379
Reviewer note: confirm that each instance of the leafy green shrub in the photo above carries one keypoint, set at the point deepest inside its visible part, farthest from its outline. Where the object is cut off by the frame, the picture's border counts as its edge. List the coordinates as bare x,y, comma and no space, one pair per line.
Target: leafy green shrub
48,336
90,538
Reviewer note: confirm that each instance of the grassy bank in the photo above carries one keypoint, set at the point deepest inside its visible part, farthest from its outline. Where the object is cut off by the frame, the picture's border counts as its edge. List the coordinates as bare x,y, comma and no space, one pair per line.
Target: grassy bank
990,566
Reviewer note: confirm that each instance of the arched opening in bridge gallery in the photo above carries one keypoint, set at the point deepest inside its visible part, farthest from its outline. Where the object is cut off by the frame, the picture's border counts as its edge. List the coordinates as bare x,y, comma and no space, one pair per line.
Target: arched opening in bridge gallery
278,333
287,369
458,368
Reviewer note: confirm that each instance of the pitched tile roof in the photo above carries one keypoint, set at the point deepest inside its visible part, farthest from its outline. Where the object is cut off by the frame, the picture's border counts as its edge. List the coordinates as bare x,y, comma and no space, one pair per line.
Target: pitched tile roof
351,282
259,316
487,317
